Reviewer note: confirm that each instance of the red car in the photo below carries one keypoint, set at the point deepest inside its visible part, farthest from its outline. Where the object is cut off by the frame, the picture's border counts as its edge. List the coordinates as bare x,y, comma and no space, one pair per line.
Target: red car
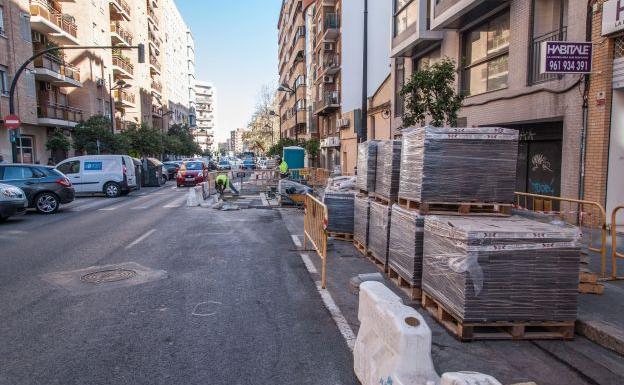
192,173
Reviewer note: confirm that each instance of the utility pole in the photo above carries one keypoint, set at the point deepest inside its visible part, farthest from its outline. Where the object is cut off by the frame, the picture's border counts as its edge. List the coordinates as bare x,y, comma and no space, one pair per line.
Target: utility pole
363,135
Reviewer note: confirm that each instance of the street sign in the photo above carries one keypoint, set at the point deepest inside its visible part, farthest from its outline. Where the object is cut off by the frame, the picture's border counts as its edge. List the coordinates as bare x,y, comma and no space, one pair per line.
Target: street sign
566,57
12,122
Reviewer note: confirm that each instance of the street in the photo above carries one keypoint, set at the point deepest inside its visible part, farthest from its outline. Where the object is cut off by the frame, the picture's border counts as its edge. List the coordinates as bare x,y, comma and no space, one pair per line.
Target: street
213,298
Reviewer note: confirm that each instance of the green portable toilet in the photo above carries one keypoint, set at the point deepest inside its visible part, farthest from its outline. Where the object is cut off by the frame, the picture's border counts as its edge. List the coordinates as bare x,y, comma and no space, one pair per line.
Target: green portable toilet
294,157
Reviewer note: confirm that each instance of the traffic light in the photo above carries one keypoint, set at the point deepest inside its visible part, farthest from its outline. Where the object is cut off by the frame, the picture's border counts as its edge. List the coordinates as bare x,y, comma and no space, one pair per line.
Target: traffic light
141,48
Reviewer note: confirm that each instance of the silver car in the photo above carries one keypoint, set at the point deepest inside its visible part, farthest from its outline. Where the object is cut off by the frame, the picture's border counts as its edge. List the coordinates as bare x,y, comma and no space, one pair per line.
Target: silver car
13,201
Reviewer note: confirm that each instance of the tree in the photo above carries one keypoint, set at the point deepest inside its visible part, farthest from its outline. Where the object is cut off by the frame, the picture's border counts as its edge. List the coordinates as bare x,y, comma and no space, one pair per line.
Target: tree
430,92
95,130
278,148
184,141
58,142
143,140
313,147
263,129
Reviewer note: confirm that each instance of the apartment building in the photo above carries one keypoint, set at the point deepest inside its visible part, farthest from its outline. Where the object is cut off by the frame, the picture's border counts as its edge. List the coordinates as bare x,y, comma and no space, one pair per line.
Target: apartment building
497,47
206,113
237,144
63,88
292,70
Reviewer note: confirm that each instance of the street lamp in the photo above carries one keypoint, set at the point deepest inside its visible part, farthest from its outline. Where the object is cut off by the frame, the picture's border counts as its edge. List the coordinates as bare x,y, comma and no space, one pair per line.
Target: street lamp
273,113
119,85
286,88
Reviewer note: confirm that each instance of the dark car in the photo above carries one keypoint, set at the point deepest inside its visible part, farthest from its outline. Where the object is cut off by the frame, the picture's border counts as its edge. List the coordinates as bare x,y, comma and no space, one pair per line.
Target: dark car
45,187
212,165
224,165
248,164
172,169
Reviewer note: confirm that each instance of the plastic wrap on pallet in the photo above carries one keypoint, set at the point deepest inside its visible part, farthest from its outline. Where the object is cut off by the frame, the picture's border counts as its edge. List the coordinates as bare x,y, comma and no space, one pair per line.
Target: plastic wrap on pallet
379,231
340,211
406,237
361,214
501,269
459,164
388,169
367,165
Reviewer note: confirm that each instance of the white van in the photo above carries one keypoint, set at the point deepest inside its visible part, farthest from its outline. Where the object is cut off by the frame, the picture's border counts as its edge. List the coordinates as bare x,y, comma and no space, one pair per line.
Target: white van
113,175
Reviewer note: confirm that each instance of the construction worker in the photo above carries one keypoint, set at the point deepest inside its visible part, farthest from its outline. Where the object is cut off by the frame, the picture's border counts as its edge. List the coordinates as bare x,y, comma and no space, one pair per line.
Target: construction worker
283,169
222,182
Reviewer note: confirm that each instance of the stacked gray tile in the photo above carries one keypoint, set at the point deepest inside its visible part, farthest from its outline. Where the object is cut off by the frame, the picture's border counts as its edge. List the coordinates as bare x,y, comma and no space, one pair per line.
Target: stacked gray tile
340,211
379,231
360,219
459,164
406,239
388,169
367,165
502,269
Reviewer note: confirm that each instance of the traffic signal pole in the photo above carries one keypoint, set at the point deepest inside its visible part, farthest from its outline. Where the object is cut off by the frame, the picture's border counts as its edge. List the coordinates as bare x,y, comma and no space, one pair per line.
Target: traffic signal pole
16,133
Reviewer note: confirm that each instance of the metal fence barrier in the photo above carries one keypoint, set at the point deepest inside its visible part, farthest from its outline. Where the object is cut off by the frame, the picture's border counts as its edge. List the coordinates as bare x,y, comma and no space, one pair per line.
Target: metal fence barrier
614,253
248,181
588,214
314,228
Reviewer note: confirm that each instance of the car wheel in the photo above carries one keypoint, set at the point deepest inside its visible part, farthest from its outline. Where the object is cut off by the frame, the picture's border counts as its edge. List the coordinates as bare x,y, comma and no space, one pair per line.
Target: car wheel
112,190
47,203
163,180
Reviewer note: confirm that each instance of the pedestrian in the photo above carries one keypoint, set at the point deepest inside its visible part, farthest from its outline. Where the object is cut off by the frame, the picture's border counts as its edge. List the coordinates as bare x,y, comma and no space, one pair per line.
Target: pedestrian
2,161
222,182
283,169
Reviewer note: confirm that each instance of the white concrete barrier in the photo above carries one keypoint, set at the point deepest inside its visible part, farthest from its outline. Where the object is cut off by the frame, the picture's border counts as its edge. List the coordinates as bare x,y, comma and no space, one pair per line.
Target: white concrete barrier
468,378
393,345
195,196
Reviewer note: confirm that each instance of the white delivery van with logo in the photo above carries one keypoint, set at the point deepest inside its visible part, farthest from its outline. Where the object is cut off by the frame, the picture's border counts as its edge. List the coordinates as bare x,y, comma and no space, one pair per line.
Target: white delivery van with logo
113,175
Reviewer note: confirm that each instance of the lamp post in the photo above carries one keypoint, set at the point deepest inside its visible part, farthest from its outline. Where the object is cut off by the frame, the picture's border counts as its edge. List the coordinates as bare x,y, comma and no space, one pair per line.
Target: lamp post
279,117
291,91
119,85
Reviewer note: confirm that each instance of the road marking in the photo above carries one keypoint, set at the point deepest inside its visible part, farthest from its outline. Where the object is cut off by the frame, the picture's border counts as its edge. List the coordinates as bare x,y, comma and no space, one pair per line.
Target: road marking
175,204
141,239
129,202
94,203
309,264
296,240
339,319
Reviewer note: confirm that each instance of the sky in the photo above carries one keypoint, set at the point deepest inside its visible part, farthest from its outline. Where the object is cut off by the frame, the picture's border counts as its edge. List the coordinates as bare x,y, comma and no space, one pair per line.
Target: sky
236,49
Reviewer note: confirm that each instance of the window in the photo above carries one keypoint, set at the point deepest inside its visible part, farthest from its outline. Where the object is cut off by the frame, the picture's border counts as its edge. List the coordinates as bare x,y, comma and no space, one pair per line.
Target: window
405,15
486,53
25,150
399,82
549,24
4,81
1,21
72,167
16,173
25,27
427,60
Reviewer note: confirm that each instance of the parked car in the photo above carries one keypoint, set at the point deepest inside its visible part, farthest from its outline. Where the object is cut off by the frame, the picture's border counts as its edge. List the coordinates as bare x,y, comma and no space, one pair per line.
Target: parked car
172,169
248,164
212,165
113,175
13,201
192,173
45,188
224,165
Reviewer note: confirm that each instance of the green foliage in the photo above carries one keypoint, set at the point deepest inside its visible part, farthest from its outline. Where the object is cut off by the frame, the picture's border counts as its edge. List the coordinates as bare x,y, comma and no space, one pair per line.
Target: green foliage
431,93
58,142
313,147
143,140
181,142
278,148
97,128
207,153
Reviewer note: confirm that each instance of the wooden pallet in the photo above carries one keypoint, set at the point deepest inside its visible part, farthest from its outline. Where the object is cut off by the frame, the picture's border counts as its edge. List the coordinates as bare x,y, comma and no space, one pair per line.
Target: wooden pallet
412,292
381,199
362,192
361,248
471,331
341,236
381,265
457,208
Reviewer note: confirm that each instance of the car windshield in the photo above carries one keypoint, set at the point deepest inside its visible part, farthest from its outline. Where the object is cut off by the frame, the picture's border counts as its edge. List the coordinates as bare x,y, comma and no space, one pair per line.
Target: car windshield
224,162
193,166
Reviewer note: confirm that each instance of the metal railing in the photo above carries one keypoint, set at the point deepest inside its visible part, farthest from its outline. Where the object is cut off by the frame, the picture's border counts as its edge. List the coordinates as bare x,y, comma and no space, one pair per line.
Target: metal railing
58,65
588,214
315,231
154,62
614,253
57,111
117,28
124,96
332,21
123,63
536,49
123,5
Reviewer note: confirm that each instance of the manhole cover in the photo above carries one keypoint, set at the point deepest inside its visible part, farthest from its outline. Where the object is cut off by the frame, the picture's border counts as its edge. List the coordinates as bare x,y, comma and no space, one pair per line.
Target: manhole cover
106,276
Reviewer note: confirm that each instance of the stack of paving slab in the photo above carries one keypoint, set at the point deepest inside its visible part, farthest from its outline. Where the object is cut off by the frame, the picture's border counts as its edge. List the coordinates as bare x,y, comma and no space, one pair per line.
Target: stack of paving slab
360,222
340,211
487,269
407,229
455,165
367,166
388,170
379,232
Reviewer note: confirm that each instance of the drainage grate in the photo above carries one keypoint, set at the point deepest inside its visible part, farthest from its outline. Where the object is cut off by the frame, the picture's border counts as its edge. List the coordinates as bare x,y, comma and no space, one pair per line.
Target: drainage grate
106,276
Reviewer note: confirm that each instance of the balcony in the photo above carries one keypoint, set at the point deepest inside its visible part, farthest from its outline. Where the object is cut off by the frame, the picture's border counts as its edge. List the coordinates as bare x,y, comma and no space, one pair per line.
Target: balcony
119,35
46,17
157,111
331,65
151,17
412,32
331,26
52,69
157,88
329,102
535,75
155,67
154,42
119,10
121,124
124,98
122,67
456,14
56,115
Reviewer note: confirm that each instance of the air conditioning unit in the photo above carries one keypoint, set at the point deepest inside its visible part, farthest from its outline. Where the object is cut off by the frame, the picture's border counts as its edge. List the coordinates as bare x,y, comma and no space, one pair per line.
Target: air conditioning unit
328,79
328,46
36,37
343,123
100,82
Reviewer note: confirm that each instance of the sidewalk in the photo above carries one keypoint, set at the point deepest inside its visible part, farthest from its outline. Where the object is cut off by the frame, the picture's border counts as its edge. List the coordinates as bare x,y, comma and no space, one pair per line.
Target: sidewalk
578,362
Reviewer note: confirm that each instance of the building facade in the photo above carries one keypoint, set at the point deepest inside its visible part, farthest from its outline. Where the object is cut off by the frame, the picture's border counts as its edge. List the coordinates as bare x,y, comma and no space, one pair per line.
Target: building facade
206,112
60,89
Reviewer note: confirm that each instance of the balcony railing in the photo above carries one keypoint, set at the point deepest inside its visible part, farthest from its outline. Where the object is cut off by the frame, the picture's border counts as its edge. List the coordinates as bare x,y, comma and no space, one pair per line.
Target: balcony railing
331,62
68,24
154,62
153,16
157,86
123,63
536,49
329,100
124,96
57,111
46,10
58,65
154,39
157,110
123,5
332,21
117,28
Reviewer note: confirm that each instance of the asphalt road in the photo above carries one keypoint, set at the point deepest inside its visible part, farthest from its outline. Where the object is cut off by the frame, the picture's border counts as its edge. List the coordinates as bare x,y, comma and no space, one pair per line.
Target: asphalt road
218,298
